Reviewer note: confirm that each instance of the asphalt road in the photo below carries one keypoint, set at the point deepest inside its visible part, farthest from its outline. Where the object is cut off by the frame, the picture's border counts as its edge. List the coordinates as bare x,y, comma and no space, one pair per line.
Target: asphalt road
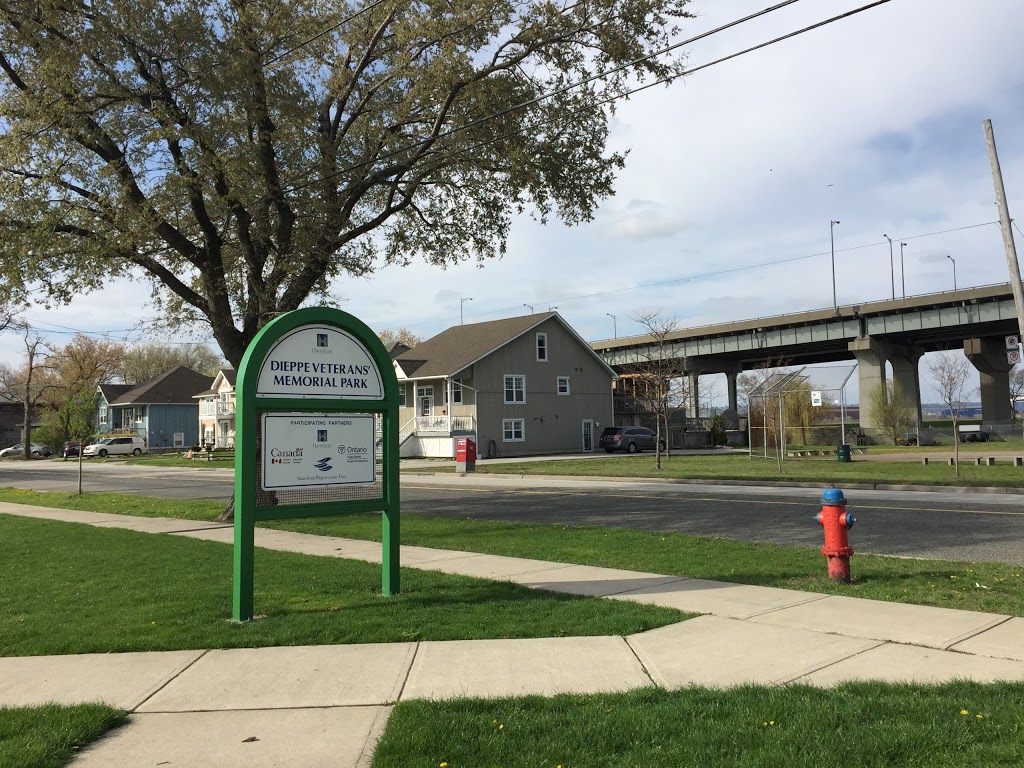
945,525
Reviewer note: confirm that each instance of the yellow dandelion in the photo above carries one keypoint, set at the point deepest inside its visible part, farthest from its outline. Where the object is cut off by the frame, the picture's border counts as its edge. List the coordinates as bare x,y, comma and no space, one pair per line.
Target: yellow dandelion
963,712
771,722
501,727
444,765
979,716
494,722
954,578
764,724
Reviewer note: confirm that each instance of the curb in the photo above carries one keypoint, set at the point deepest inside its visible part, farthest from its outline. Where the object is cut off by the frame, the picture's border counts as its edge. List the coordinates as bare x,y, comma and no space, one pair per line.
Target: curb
980,489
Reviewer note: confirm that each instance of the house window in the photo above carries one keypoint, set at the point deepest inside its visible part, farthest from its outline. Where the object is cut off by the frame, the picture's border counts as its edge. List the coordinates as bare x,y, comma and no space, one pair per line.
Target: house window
563,385
515,389
513,430
401,395
542,347
103,414
456,391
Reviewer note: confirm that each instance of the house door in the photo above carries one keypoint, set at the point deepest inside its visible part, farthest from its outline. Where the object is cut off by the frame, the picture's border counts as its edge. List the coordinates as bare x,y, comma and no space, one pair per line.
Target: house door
588,434
223,434
426,401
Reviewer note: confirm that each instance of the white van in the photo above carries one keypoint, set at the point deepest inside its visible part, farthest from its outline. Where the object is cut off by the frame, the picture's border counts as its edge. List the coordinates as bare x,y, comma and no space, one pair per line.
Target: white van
117,446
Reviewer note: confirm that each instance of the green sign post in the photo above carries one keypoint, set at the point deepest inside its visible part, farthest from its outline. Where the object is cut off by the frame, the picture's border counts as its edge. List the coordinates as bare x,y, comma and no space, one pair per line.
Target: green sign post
311,389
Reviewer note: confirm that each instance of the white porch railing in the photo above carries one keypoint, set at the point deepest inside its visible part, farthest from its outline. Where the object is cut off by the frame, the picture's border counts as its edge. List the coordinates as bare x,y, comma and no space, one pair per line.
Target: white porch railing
444,424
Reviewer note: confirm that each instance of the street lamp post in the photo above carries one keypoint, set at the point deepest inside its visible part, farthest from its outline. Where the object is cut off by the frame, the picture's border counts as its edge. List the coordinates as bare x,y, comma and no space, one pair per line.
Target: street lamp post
462,303
529,307
903,278
892,272
832,238
948,256
615,326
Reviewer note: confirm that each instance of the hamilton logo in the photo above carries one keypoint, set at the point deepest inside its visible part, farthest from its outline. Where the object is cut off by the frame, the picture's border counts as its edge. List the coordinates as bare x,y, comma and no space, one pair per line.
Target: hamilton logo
324,464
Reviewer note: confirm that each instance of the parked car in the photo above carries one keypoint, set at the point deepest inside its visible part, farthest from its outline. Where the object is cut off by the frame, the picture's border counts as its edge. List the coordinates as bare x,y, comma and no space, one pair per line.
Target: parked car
117,446
70,449
38,450
632,439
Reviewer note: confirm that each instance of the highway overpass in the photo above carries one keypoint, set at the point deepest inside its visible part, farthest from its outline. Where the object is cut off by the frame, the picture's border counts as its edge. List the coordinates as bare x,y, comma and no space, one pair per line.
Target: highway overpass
976,320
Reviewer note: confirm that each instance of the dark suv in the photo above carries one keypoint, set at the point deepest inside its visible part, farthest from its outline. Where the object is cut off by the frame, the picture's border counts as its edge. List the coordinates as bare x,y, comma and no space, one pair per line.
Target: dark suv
632,439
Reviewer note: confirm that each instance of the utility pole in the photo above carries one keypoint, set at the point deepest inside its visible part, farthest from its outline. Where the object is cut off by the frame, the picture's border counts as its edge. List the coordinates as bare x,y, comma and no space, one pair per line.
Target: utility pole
1004,224
892,272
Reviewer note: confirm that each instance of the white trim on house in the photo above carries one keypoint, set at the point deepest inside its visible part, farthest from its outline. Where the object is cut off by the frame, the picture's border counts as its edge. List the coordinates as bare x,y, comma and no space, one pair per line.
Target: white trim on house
558,386
508,427
522,388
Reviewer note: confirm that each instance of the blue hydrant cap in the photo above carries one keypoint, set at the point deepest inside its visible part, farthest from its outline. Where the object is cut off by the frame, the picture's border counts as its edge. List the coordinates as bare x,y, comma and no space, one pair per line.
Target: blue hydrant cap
832,496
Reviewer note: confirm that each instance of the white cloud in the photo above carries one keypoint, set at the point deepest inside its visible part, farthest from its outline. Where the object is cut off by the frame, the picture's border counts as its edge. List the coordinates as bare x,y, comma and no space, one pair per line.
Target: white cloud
875,121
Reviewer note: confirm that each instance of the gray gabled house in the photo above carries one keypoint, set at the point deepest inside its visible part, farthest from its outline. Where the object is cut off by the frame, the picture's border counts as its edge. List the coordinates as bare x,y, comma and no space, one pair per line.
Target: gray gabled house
163,410
524,385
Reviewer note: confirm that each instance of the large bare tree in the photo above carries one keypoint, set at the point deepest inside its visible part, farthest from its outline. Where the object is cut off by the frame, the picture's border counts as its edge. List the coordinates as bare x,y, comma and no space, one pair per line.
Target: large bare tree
950,374
243,156
656,376
31,383
142,362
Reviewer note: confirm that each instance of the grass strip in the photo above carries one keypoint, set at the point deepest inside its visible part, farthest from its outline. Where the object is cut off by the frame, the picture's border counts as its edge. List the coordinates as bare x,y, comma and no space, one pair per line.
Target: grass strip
49,736
70,588
741,467
988,587
116,503
856,725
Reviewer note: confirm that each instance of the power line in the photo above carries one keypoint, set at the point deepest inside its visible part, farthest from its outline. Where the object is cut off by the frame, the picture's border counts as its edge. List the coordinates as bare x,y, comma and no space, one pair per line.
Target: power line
559,91
327,31
579,297
717,273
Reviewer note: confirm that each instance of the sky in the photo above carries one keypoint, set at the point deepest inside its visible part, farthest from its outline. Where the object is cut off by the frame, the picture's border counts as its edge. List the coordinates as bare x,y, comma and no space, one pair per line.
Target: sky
733,176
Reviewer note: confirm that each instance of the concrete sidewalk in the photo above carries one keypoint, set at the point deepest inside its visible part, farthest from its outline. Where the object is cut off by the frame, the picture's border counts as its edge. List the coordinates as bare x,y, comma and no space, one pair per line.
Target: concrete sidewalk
327,705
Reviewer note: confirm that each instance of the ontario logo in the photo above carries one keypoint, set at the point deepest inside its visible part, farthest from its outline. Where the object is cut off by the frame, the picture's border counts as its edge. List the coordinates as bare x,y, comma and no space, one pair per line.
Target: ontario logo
324,465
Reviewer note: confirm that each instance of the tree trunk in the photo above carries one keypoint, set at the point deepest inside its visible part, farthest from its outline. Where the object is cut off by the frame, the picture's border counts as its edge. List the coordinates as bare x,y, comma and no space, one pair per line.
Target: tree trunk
228,515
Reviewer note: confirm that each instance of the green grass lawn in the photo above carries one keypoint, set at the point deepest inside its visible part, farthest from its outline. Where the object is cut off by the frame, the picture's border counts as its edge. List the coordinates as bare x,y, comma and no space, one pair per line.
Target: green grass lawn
742,467
49,736
856,725
69,588
947,584
924,582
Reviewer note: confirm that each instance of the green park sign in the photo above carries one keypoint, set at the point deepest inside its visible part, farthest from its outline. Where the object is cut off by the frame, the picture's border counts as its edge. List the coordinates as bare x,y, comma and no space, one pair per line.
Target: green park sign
316,394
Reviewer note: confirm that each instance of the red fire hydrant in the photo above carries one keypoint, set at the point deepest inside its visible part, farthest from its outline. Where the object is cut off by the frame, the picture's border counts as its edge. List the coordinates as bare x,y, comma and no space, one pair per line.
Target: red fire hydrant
836,521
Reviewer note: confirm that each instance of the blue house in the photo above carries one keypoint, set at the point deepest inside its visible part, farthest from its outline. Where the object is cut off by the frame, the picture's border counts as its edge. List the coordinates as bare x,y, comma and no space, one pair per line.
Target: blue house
163,410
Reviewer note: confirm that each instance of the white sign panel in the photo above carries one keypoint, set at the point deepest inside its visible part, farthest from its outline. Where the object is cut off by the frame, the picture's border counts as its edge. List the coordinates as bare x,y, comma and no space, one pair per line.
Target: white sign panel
1013,356
319,361
303,450
815,397
1012,342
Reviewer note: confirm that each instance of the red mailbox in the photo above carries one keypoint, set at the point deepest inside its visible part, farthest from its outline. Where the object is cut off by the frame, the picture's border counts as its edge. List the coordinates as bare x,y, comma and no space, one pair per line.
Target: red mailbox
465,455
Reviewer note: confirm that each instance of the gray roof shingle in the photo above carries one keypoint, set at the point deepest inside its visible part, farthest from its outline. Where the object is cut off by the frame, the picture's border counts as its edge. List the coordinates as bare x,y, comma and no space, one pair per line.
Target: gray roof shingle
454,349
175,385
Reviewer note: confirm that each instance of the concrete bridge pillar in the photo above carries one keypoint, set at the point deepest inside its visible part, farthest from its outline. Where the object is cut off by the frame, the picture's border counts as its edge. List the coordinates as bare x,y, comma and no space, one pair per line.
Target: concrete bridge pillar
872,355
988,355
906,375
731,392
693,385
